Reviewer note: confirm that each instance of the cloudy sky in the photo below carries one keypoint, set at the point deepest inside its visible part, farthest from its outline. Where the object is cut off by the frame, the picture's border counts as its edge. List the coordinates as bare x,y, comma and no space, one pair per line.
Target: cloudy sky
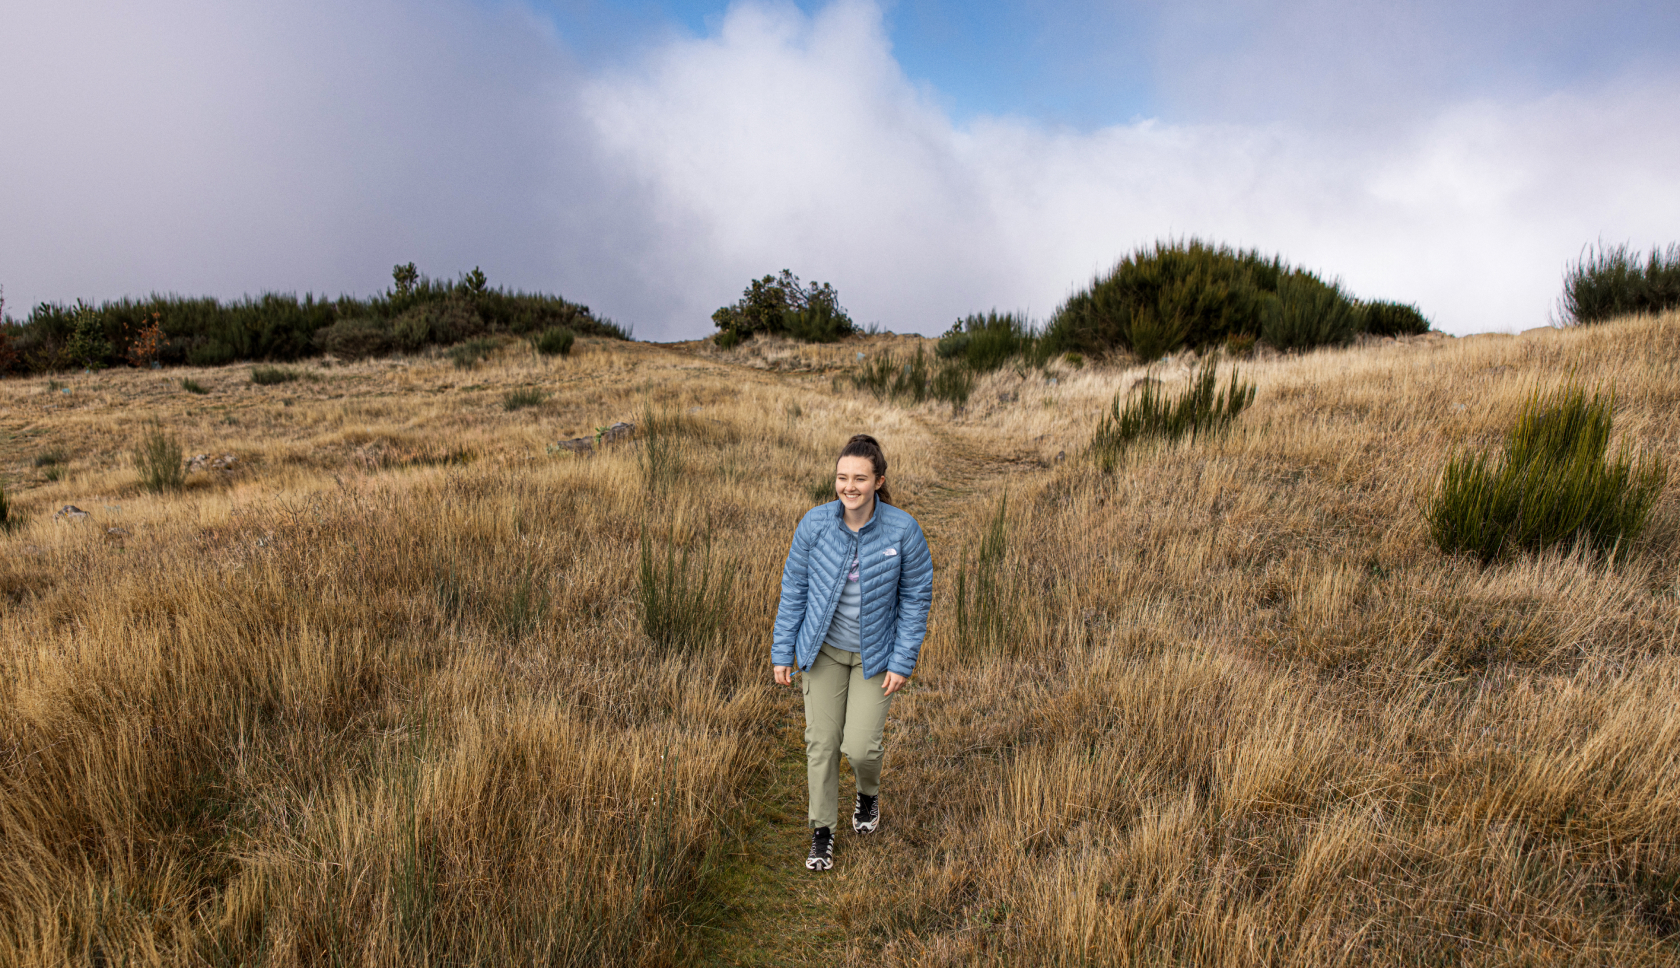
930,158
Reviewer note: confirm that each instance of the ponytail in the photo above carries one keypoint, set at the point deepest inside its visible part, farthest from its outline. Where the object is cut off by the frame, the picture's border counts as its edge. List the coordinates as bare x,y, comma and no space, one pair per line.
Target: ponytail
863,445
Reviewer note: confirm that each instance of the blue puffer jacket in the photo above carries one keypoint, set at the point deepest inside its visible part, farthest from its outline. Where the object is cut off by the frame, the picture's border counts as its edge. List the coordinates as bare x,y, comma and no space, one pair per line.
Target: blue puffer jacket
895,576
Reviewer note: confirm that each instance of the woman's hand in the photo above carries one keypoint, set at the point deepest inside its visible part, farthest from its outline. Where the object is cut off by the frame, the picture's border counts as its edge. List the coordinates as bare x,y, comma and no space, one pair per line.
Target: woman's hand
894,682
784,675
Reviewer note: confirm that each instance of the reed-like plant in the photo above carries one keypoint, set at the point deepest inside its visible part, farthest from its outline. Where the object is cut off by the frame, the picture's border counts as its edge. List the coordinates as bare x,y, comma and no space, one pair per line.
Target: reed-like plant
555,342
268,376
1201,410
1611,281
522,398
685,603
193,386
160,461
988,595
1554,485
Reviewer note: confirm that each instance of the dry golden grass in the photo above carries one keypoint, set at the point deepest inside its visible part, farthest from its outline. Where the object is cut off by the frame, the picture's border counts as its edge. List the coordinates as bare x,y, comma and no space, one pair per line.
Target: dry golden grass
380,694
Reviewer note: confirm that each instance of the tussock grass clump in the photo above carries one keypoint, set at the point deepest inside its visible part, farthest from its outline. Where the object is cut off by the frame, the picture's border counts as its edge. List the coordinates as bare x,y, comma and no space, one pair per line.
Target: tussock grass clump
1611,281
467,355
6,521
914,380
49,458
1201,410
160,461
988,597
555,342
685,604
522,398
268,376
193,386
1553,485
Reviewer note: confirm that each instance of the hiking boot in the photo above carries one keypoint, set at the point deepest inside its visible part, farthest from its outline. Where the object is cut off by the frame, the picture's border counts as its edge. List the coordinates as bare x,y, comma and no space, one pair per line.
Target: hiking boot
822,850
866,816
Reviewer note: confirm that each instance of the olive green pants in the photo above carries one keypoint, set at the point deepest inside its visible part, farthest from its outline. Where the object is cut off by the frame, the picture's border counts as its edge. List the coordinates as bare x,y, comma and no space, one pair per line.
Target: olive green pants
844,713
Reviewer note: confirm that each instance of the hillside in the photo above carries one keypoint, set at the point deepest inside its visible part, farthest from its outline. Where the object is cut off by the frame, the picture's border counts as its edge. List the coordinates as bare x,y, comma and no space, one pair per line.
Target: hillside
376,689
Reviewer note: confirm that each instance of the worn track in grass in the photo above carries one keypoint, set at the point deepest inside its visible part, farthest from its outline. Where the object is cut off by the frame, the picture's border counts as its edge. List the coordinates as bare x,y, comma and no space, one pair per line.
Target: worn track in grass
765,908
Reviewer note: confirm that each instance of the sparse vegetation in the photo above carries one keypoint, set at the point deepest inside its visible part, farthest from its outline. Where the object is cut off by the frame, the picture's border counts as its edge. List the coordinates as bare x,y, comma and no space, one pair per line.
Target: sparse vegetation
6,521
522,398
986,342
1611,281
1555,484
193,386
468,354
160,461
1200,411
914,380
780,306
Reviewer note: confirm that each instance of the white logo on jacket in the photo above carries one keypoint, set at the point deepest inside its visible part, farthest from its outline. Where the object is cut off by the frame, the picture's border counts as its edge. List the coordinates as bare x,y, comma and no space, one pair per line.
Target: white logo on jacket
890,552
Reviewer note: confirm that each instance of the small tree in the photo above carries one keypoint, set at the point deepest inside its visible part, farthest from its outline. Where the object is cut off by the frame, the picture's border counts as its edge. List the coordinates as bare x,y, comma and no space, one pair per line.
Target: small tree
405,276
88,345
781,306
143,349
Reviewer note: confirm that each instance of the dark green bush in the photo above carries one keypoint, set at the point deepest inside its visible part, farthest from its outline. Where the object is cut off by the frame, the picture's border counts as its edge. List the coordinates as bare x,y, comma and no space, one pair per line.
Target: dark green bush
1193,294
268,376
1383,318
160,462
780,306
1306,312
1202,410
986,342
416,312
1611,281
193,386
1553,485
555,342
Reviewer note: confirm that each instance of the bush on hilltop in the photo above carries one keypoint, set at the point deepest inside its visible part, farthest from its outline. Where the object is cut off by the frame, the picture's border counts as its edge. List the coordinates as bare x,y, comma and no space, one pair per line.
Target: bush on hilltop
1610,281
780,306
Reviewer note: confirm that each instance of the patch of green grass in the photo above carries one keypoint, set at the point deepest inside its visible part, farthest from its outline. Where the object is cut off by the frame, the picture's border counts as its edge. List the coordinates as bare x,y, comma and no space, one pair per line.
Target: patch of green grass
466,355
522,398
193,386
685,604
271,375
48,458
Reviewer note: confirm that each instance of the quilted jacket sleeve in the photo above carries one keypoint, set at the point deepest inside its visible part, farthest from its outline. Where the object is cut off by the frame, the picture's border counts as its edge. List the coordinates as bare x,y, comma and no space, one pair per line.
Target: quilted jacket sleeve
790,615
915,595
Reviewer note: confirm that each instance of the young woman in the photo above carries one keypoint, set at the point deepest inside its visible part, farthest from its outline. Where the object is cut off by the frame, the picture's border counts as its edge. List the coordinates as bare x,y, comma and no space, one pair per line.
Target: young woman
855,595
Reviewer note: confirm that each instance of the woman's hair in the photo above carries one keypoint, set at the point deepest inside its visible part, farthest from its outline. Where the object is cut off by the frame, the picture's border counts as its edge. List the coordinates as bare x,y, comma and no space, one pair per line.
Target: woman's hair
863,445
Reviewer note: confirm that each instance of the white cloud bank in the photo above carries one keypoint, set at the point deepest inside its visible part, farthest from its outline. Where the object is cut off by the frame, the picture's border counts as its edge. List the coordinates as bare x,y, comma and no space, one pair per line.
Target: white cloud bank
457,136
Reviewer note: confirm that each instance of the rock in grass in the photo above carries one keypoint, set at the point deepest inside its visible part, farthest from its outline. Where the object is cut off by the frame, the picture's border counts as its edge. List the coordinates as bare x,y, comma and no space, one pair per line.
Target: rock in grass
70,512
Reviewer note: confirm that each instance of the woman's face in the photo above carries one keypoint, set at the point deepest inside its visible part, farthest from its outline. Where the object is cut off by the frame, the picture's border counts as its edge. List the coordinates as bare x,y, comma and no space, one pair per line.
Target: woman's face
855,482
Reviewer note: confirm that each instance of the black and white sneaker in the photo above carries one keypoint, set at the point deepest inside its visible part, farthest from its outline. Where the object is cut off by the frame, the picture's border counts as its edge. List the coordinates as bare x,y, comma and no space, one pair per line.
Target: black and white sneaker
822,850
866,816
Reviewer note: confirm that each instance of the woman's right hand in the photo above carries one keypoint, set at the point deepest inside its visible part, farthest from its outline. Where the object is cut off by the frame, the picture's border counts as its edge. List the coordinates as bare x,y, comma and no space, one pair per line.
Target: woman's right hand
784,675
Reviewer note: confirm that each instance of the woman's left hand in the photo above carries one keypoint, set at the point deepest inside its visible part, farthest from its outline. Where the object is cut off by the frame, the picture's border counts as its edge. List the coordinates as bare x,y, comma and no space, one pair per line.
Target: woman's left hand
894,682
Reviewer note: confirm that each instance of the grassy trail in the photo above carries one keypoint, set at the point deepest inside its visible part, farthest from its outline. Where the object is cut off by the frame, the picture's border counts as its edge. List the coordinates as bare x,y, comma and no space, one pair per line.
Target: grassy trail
768,909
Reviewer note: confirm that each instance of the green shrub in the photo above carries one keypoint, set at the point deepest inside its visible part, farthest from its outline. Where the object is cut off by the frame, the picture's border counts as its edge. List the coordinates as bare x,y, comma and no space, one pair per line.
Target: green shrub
268,376
519,399
1611,281
986,342
659,452
685,606
193,386
1193,294
160,461
466,355
357,338
1202,410
279,327
780,306
1393,319
555,342
1307,312
1553,485
49,458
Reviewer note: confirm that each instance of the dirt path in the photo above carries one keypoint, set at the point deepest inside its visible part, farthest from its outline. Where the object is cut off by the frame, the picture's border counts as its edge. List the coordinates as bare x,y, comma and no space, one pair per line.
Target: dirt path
767,909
